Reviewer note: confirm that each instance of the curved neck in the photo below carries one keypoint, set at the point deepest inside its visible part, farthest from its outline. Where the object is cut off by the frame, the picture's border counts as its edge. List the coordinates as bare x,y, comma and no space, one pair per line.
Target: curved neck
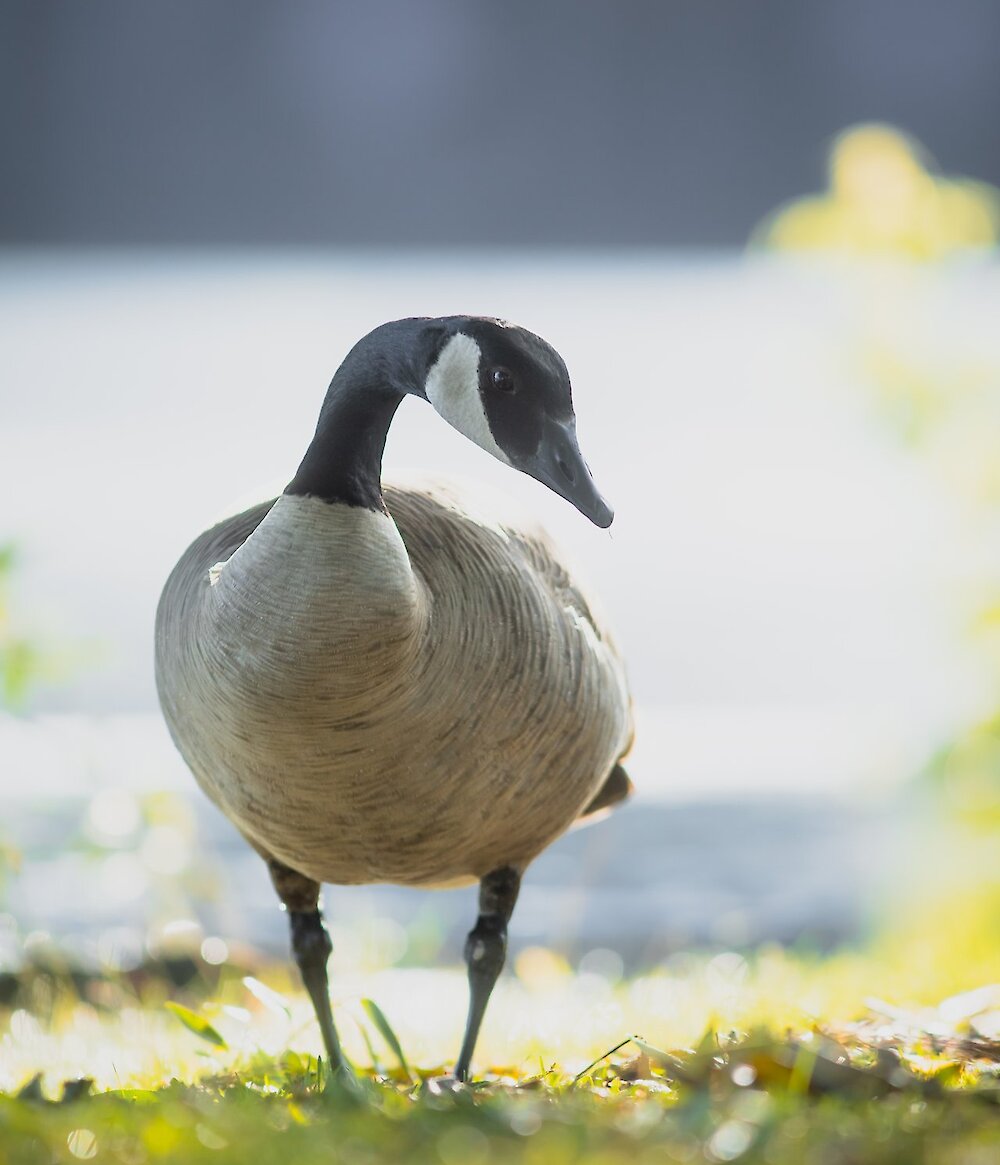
344,460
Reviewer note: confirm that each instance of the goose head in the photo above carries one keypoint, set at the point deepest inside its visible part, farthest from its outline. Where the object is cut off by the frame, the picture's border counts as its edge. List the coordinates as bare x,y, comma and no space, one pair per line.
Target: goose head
509,391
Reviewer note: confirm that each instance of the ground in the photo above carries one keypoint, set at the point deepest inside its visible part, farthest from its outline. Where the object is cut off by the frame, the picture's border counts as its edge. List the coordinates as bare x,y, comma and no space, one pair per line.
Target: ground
889,1052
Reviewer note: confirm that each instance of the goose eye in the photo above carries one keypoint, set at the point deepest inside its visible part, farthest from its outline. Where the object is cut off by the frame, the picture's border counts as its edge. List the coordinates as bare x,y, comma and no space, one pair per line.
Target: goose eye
502,380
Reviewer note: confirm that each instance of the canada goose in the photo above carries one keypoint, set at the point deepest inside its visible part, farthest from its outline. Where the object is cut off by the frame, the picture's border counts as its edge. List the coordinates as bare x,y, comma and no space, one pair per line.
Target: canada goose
381,685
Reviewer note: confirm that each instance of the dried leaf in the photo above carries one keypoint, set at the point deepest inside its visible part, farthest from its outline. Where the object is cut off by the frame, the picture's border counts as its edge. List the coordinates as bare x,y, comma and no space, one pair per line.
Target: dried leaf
33,1089
638,1068
76,1089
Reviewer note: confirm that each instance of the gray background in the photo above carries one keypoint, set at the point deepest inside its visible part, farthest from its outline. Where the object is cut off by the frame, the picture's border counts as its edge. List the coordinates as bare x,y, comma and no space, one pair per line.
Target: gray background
564,122
798,566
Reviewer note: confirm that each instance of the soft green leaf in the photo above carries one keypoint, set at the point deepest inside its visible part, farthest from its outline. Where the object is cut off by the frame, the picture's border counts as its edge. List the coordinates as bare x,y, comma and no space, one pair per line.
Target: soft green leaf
196,1023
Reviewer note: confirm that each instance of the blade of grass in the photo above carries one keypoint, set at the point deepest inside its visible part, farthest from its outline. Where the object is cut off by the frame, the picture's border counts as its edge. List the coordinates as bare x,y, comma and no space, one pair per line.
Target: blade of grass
268,996
803,1067
377,1016
610,1052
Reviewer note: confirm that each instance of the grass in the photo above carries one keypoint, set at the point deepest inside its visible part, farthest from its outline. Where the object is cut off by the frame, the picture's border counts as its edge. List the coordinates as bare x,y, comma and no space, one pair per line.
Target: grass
274,1112
775,1057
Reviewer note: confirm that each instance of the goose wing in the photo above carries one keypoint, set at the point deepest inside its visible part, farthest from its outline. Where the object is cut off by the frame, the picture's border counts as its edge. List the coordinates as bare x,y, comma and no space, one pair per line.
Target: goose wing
440,518
617,788
538,549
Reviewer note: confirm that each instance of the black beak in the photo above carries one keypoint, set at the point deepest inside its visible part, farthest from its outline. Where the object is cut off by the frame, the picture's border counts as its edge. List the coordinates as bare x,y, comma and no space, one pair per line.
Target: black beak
559,464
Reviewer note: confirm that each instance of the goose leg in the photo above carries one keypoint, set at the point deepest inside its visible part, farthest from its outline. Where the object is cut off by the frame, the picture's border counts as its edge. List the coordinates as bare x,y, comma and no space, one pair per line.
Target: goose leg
485,951
311,947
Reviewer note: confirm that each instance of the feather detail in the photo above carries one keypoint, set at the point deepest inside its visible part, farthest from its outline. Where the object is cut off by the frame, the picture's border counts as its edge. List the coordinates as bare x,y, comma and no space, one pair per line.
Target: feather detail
418,699
215,572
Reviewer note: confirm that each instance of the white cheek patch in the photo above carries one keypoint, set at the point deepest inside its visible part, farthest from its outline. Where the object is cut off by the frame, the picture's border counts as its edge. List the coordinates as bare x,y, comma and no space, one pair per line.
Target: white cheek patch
453,389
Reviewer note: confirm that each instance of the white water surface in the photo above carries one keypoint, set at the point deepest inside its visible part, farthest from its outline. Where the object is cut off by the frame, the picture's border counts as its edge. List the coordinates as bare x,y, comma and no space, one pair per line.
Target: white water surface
787,581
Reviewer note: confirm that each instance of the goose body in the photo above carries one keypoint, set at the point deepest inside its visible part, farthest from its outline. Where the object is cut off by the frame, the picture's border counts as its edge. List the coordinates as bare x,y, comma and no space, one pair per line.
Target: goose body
452,703
384,684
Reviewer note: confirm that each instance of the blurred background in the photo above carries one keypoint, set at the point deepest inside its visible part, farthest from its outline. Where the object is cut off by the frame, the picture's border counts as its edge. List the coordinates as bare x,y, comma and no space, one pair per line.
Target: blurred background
762,235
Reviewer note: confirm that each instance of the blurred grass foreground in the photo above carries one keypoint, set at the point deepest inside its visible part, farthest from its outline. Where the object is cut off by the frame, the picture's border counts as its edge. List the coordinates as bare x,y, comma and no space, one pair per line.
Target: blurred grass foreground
705,1058
170,1035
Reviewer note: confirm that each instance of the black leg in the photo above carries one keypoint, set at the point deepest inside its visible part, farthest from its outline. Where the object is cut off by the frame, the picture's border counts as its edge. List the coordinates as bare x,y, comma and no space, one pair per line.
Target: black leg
311,947
485,951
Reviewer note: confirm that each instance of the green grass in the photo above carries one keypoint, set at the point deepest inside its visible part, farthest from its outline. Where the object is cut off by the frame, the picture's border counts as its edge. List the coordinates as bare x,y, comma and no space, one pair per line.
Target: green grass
758,1099
774,1058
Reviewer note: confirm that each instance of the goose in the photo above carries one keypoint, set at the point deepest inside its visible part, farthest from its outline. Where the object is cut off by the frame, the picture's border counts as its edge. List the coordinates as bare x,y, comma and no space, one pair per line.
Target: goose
383,683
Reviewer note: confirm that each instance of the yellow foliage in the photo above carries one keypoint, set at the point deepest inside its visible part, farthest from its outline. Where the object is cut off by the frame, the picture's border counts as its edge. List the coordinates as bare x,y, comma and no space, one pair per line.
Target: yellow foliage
884,199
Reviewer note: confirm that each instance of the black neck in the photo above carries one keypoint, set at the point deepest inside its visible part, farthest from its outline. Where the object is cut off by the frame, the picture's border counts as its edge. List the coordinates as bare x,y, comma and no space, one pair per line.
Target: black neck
344,461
